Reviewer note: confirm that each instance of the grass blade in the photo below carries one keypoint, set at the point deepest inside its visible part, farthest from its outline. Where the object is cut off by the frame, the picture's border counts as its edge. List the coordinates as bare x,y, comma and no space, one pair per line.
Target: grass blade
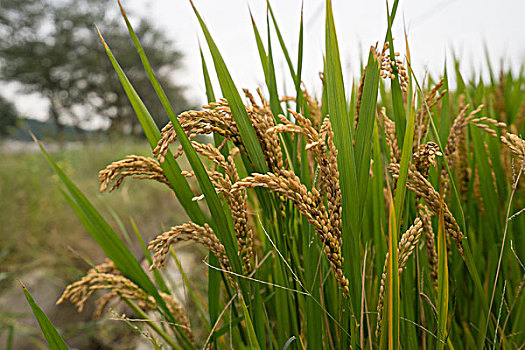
159,280
393,284
252,337
260,48
395,225
107,239
283,45
53,338
214,274
442,284
397,95
210,95
300,64
171,169
343,138
231,93
271,79
365,125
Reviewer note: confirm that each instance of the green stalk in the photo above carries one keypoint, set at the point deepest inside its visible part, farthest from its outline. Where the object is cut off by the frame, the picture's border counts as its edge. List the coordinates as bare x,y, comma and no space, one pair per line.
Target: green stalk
214,275
397,95
442,284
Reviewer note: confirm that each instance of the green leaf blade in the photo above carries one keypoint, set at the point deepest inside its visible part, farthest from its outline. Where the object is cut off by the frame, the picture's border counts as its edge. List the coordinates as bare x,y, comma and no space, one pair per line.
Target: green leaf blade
443,289
365,125
221,222
238,109
53,338
342,126
172,170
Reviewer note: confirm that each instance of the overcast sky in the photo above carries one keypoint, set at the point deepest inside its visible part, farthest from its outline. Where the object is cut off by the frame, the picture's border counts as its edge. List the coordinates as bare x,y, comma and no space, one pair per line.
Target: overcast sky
434,28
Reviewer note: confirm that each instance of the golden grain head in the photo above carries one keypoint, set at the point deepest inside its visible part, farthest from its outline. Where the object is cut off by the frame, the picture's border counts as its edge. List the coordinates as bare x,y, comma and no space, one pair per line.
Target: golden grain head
418,184
186,232
137,167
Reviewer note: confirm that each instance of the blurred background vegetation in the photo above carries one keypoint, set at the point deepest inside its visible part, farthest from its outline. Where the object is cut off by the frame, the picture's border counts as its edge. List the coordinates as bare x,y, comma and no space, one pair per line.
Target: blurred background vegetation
51,48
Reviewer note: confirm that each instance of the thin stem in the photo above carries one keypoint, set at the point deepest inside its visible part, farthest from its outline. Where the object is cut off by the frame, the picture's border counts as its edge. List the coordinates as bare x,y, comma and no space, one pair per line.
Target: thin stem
507,219
152,324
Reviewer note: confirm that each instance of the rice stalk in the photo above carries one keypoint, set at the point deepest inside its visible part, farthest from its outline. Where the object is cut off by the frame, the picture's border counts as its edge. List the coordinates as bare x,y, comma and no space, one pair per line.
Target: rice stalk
406,246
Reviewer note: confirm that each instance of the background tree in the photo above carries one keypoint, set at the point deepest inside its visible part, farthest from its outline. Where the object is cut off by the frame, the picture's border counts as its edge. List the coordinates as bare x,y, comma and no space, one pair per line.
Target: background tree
8,116
50,47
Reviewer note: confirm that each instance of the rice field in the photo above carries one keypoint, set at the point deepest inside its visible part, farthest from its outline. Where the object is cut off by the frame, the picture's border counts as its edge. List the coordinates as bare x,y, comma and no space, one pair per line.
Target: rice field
385,214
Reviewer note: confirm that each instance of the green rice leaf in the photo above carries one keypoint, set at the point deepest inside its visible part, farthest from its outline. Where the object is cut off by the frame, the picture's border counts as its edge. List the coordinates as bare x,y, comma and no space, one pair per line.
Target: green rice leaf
231,93
271,80
314,314
398,110
378,202
343,138
300,65
489,65
53,338
275,104
406,155
172,170
365,125
260,48
444,125
100,230
10,335
393,284
214,273
442,283
156,273
252,337
281,42
487,186
107,239
221,223
394,228
210,95
191,290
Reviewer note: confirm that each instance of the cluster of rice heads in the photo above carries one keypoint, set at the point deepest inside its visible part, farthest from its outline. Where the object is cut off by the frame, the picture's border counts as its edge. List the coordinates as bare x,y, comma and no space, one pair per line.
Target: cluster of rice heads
287,186
320,205
379,220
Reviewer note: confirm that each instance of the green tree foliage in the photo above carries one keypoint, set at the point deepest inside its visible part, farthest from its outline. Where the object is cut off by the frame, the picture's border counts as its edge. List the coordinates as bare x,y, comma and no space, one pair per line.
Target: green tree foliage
51,47
8,116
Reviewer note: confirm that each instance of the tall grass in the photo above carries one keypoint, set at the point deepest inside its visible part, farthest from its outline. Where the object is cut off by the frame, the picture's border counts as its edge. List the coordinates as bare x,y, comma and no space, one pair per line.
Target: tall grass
383,219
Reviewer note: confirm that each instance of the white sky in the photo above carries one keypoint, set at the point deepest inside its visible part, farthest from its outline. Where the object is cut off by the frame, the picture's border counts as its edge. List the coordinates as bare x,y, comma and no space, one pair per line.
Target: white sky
434,28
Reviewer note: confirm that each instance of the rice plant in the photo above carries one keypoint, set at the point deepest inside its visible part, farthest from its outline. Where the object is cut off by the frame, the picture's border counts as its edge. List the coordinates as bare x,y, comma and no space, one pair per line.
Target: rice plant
381,215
